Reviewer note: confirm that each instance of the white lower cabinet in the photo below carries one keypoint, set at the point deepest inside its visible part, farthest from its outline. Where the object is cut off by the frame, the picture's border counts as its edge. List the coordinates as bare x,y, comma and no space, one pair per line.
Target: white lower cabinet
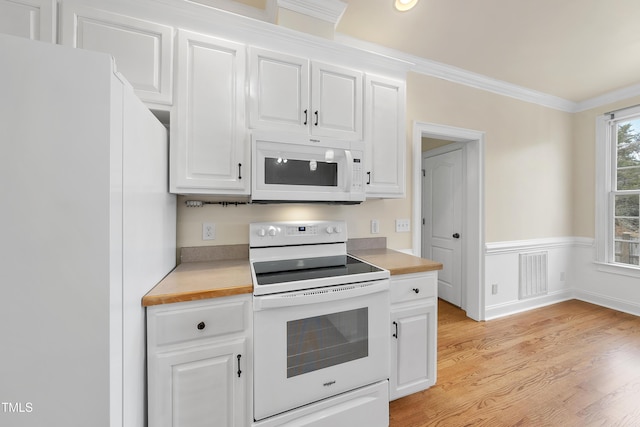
199,363
413,327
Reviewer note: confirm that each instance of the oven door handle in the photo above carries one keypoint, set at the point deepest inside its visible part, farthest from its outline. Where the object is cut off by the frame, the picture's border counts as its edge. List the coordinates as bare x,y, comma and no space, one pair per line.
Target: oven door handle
319,295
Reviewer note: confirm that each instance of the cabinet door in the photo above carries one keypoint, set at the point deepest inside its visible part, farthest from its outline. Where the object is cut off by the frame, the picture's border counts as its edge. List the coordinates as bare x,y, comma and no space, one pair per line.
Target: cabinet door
385,137
413,349
278,91
32,19
142,49
200,386
208,146
336,98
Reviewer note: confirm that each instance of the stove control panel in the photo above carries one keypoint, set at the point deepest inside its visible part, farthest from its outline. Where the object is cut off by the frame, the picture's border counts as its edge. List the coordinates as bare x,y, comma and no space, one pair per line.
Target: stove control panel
291,233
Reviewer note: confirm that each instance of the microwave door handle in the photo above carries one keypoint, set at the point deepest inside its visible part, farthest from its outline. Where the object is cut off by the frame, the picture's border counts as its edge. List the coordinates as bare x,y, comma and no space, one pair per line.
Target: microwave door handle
349,157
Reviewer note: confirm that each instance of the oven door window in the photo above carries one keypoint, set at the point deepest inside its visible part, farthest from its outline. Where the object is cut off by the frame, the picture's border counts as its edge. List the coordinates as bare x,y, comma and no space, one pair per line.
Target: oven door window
319,342
300,172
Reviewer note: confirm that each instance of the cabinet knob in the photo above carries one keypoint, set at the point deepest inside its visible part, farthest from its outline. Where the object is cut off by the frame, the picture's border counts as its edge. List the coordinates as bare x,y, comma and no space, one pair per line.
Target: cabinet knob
416,290
201,326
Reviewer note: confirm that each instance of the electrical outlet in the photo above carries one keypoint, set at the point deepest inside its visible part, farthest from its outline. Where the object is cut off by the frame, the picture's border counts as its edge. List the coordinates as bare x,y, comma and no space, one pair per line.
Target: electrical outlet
494,289
403,225
375,226
208,231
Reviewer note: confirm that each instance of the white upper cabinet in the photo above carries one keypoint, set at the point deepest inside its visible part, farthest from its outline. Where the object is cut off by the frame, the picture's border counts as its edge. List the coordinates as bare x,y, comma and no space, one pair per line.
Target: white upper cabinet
278,91
292,93
385,137
209,146
336,99
32,19
142,49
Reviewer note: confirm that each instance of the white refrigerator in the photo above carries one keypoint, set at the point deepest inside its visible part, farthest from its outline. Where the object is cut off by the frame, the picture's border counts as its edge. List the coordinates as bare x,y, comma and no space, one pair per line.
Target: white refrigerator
87,227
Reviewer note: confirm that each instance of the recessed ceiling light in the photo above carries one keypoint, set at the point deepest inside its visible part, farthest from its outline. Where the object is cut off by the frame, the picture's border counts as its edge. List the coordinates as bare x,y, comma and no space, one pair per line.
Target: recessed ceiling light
404,5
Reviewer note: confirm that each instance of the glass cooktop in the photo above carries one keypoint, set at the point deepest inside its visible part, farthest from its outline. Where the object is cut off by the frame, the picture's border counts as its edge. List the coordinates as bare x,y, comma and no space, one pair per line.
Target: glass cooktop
292,270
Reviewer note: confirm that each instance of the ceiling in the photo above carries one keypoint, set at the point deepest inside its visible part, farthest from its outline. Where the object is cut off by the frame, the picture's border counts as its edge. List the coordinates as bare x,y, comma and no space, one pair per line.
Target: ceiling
573,49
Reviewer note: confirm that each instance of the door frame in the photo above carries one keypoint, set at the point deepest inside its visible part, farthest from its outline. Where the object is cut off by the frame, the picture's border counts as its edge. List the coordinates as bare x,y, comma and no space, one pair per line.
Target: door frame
473,199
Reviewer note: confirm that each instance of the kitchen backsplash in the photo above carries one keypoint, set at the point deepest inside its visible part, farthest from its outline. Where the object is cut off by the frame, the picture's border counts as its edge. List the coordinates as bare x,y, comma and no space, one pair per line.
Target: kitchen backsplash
232,222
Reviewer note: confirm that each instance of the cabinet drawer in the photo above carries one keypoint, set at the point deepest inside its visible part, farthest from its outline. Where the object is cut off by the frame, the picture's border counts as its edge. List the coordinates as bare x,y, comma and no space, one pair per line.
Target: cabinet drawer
413,287
198,322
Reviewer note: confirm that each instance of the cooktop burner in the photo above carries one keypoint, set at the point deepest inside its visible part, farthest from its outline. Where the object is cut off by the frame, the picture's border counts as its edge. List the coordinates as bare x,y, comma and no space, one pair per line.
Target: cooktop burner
292,270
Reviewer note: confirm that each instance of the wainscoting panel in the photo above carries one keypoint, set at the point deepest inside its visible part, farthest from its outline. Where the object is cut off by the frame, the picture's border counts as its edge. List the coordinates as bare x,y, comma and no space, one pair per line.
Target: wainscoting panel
571,273
522,275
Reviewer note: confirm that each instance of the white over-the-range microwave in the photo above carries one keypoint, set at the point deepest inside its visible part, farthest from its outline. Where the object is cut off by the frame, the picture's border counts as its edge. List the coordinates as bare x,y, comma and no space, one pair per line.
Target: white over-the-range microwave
290,167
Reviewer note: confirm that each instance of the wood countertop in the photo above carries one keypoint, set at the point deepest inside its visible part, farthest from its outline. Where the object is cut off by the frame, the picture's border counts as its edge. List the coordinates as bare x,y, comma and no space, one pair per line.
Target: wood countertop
396,262
192,281
199,280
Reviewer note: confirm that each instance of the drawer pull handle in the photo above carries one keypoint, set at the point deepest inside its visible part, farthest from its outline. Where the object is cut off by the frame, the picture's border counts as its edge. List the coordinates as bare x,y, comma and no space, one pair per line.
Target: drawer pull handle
396,334
239,371
416,290
201,326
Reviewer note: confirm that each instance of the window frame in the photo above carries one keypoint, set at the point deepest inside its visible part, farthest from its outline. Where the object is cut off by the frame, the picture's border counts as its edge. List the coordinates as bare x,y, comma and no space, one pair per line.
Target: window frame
606,156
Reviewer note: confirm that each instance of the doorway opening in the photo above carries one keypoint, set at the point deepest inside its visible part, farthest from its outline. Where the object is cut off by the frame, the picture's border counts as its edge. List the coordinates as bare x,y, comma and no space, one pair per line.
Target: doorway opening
471,144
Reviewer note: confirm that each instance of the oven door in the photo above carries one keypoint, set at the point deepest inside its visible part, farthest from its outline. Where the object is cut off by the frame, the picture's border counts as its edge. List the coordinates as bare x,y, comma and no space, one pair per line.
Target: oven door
291,169
314,344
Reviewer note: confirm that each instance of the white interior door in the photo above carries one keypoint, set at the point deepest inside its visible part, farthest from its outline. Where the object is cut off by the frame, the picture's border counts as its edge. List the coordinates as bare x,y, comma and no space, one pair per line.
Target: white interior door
442,220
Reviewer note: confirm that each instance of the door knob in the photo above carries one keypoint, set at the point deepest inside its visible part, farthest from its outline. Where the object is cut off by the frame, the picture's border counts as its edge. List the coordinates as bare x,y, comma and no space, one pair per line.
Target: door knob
456,235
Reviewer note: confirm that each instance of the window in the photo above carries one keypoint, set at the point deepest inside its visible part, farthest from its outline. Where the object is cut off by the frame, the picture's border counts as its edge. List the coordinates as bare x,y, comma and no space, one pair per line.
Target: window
618,198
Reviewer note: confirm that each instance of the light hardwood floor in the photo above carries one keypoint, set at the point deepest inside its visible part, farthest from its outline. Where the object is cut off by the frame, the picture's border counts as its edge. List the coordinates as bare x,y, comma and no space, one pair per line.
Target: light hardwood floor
568,364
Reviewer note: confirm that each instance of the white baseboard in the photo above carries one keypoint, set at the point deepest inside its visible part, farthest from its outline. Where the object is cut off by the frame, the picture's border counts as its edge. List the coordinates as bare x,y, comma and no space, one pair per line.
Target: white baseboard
608,302
519,306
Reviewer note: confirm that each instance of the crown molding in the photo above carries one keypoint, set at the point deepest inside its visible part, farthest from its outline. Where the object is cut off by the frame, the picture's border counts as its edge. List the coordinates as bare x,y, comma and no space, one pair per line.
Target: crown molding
326,10
608,98
237,8
464,77
482,82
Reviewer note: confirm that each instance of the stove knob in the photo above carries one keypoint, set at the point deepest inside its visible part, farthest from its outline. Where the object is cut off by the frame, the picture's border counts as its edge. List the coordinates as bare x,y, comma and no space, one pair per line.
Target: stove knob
329,230
272,231
262,232
337,229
